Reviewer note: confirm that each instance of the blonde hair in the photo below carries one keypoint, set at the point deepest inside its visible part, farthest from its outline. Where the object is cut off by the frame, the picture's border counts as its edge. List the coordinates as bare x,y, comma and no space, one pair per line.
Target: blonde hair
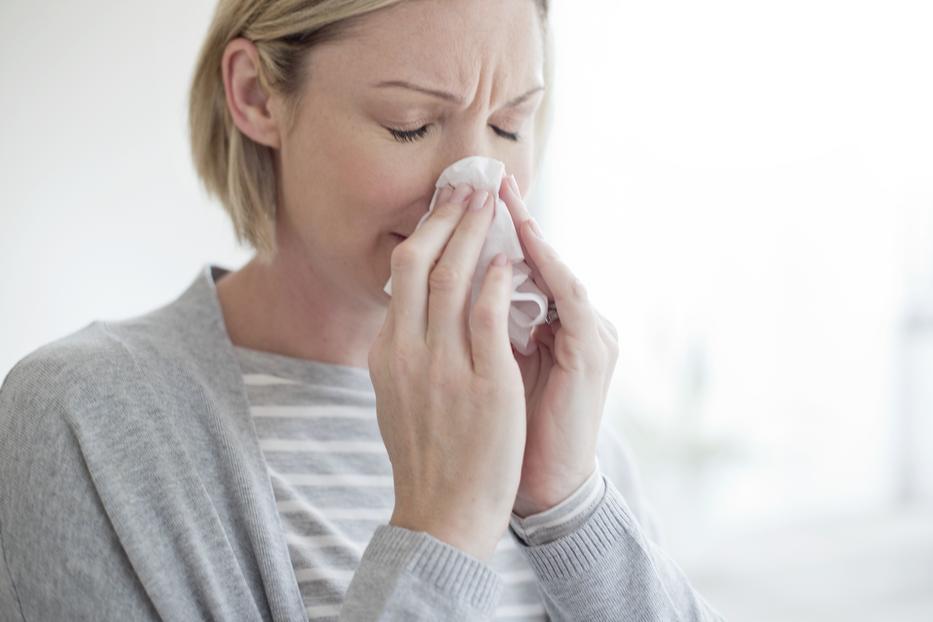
241,172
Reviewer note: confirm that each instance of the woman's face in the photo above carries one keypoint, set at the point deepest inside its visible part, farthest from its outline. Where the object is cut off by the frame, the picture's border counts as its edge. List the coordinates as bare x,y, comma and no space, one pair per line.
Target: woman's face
350,185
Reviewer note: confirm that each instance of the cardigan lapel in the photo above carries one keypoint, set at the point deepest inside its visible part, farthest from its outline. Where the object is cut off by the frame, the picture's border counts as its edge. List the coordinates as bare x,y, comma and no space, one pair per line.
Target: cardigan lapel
181,473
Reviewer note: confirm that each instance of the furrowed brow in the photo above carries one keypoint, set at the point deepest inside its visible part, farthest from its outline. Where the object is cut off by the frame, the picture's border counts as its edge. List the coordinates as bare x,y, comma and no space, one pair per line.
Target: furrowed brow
450,97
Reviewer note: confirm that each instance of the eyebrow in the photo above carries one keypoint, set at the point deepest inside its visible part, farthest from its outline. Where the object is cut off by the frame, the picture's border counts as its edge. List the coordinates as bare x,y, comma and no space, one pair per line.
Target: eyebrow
450,96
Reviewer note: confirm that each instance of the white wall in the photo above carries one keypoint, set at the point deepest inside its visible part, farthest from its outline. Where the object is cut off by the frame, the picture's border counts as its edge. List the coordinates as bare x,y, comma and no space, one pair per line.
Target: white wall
736,178
748,189
102,216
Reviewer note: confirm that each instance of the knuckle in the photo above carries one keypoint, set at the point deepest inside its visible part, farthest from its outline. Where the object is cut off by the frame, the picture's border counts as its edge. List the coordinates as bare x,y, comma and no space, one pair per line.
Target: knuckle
575,355
484,317
578,289
612,344
598,358
402,359
613,330
603,359
377,346
607,326
548,256
404,257
376,360
373,361
448,211
444,277
614,349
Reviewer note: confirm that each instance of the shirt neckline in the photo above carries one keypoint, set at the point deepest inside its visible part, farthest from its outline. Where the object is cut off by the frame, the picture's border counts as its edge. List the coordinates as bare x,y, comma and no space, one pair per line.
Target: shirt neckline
305,371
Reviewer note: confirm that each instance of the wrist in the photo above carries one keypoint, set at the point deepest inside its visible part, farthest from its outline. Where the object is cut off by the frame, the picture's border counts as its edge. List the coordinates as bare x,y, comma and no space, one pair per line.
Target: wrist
547,498
478,543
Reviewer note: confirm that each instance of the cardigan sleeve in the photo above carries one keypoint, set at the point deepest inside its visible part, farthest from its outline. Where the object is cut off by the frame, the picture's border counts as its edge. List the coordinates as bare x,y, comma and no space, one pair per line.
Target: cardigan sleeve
405,574
563,518
411,575
594,558
611,567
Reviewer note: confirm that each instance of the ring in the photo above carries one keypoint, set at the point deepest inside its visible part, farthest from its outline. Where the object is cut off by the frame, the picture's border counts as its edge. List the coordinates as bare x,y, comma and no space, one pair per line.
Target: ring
551,312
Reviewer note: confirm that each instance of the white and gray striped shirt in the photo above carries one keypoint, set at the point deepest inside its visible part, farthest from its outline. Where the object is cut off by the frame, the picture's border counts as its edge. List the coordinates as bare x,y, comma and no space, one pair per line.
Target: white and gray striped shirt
332,480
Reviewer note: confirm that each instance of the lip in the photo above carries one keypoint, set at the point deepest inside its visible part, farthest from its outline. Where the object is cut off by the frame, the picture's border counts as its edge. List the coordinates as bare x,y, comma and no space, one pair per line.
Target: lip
399,235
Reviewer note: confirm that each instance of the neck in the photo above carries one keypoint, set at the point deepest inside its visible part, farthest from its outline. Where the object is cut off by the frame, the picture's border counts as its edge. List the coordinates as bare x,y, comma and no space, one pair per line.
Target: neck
288,307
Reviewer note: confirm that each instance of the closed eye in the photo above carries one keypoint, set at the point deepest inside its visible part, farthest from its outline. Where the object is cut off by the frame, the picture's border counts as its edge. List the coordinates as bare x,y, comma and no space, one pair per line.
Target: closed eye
408,136
411,136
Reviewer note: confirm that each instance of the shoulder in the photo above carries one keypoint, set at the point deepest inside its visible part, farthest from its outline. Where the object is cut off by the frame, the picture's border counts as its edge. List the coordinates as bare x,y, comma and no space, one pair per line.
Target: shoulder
58,373
86,373
50,503
149,351
84,397
46,390
36,397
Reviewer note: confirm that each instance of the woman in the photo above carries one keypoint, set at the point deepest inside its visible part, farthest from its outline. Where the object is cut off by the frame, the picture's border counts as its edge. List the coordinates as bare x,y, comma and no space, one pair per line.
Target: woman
288,442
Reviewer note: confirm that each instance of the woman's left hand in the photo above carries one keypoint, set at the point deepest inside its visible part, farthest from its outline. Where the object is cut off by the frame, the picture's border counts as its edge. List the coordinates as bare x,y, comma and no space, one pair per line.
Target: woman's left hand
566,377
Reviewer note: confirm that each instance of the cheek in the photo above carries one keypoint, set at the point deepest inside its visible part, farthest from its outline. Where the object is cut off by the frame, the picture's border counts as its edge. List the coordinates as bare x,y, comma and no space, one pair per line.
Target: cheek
388,193
373,177
384,177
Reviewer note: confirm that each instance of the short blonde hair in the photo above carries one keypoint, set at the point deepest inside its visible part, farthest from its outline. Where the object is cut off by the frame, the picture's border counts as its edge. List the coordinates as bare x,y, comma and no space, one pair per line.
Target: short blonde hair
233,167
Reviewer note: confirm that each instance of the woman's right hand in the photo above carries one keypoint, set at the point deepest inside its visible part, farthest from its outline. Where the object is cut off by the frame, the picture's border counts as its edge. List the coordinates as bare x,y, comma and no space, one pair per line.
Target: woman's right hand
449,396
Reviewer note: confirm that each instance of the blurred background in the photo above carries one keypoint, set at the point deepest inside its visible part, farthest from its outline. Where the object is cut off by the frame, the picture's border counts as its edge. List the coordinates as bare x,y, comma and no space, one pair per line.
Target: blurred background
746,188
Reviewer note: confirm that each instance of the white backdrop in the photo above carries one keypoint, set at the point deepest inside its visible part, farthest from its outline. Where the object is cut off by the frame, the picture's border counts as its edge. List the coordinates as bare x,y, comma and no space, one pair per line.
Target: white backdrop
102,216
746,188
743,185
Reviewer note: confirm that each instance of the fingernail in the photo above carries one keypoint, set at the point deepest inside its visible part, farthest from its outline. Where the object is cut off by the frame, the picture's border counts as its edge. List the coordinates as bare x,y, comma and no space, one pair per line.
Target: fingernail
535,229
479,199
514,185
461,193
499,260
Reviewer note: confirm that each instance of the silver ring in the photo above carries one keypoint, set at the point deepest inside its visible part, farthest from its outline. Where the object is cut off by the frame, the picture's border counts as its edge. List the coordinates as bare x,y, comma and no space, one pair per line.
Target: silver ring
551,312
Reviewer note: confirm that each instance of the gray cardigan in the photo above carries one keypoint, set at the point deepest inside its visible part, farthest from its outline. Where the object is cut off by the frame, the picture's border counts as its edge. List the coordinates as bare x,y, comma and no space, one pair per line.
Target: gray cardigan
132,487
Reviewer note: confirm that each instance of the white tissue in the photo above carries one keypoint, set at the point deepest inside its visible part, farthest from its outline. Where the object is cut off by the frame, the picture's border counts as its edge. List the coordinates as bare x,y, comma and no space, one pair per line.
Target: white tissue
529,304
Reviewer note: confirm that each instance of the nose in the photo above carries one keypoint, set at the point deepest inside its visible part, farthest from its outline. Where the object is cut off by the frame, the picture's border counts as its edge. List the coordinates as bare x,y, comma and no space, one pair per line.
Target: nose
474,138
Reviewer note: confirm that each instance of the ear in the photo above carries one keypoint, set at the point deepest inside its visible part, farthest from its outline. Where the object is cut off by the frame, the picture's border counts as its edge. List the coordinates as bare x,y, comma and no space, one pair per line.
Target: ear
251,107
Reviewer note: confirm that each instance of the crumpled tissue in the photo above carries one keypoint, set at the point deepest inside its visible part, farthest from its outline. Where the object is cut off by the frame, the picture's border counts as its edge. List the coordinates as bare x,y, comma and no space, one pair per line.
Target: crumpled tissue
529,304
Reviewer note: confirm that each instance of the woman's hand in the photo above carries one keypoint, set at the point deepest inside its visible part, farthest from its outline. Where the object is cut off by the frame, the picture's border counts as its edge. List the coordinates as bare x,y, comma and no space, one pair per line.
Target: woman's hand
566,378
449,397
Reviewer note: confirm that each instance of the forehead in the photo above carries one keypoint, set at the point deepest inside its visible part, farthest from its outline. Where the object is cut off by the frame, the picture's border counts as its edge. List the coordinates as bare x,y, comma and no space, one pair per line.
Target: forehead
450,43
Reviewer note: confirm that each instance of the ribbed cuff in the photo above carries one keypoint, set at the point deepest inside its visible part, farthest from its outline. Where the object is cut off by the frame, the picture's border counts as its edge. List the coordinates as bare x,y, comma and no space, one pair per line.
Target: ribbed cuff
454,572
560,520
579,551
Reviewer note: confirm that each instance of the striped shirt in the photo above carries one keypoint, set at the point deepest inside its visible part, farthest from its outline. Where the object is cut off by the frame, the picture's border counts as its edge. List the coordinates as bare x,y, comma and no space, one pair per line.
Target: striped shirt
332,480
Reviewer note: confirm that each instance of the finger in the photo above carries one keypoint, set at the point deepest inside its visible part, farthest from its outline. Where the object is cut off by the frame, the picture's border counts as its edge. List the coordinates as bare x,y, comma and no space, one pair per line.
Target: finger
512,198
544,334
608,334
607,329
413,259
489,321
577,316
450,285
517,208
